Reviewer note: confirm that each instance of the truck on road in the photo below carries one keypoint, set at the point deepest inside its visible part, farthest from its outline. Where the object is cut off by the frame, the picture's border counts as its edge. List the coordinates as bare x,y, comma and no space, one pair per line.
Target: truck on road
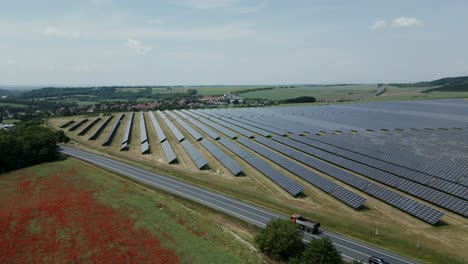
305,224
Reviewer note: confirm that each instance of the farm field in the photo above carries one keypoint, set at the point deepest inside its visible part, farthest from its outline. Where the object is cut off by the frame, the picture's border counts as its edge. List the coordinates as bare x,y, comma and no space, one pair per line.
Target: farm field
397,230
69,211
319,92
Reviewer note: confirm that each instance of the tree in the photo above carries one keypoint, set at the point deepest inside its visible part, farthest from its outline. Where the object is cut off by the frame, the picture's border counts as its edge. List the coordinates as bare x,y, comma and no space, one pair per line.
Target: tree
321,251
280,239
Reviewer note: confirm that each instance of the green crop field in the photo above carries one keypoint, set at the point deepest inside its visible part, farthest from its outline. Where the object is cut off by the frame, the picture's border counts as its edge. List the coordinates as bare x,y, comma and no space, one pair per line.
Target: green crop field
11,105
319,92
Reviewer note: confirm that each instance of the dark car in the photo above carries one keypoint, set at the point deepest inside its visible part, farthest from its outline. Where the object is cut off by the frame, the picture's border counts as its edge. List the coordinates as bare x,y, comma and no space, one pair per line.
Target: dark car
377,260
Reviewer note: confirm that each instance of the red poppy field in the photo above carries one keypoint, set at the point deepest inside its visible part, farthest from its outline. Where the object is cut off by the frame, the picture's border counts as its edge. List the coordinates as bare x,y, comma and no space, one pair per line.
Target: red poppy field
56,214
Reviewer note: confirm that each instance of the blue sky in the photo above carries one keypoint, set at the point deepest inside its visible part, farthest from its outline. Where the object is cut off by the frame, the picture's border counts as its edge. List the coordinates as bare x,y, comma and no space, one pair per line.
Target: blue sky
195,42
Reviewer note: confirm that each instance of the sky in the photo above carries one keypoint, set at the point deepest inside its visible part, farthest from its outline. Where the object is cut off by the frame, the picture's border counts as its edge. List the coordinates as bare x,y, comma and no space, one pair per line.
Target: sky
230,42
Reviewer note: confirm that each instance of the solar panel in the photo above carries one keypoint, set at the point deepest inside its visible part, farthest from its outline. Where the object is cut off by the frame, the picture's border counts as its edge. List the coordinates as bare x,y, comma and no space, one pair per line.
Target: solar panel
89,126
168,152
144,147
100,128
342,194
110,135
235,128
277,177
187,128
196,157
126,136
203,128
429,215
76,126
227,161
143,135
67,124
157,127
171,126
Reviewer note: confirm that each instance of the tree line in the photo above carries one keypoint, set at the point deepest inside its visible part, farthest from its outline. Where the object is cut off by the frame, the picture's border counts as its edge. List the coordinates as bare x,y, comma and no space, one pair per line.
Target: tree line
28,144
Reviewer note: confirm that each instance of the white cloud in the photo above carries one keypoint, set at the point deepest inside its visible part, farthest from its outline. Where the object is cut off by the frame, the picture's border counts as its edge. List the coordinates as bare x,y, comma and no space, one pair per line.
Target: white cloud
205,4
59,32
254,8
136,46
378,24
155,21
406,22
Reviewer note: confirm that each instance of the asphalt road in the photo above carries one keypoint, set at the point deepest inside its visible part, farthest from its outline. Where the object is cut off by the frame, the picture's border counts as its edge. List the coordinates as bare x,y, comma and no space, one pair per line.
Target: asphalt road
255,215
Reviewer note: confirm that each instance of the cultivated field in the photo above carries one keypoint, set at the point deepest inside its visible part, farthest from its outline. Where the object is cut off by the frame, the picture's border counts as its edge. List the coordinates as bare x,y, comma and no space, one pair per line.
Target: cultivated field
69,211
397,231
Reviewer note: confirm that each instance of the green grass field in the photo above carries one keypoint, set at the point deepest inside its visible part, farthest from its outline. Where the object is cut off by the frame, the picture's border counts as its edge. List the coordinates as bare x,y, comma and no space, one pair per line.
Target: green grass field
10,121
194,233
11,105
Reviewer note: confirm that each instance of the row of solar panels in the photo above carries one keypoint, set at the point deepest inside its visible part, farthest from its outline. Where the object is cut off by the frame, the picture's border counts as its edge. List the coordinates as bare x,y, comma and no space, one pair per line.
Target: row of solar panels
89,126
108,139
100,128
228,162
171,126
440,184
335,190
76,126
144,144
405,204
126,136
199,125
400,158
66,124
444,200
228,133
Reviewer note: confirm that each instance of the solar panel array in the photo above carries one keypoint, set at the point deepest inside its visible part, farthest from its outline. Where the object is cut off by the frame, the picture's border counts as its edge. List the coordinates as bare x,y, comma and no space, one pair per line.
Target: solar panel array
76,126
171,126
199,125
188,128
212,124
89,126
67,124
157,127
168,152
235,128
379,176
425,213
277,177
126,136
240,124
419,177
227,161
144,147
194,154
113,130
335,190
100,128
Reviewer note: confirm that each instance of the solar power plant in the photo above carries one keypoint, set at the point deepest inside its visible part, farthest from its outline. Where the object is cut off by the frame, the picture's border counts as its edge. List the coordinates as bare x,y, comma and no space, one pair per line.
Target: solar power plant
157,127
204,128
212,124
126,136
168,152
182,114
355,182
374,174
113,130
194,154
143,135
76,126
235,128
100,128
422,178
89,126
340,193
239,124
67,124
227,161
171,126
187,128
277,177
